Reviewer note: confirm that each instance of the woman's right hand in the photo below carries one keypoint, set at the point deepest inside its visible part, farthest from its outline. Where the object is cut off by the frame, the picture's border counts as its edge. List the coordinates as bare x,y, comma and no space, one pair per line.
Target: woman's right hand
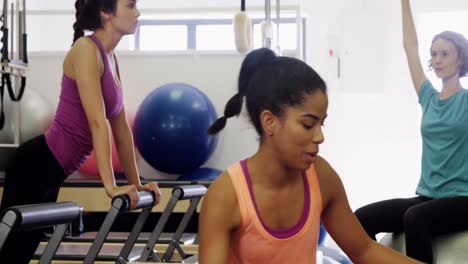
130,190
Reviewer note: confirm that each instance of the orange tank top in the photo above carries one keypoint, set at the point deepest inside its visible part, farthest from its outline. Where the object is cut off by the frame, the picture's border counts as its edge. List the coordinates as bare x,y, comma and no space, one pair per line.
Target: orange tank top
253,242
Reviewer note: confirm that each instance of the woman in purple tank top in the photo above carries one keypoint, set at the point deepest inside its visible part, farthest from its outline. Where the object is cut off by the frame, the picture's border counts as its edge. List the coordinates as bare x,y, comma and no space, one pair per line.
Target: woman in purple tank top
90,95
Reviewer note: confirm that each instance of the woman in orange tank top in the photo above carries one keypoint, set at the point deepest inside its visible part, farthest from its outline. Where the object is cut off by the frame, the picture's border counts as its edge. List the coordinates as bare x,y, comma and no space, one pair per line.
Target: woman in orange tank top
267,208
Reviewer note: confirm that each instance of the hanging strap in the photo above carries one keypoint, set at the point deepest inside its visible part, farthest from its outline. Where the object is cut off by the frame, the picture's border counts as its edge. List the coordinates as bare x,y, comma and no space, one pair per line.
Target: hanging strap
2,113
6,77
10,87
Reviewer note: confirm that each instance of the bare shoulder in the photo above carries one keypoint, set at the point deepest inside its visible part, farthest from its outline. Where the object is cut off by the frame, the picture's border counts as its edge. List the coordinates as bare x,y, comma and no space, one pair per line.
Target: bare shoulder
219,217
84,44
85,50
328,179
221,201
84,55
325,171
223,186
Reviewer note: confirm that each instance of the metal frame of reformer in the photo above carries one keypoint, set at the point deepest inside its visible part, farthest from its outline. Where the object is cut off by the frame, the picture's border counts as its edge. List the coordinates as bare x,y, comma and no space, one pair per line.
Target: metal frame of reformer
26,217
121,204
121,237
194,193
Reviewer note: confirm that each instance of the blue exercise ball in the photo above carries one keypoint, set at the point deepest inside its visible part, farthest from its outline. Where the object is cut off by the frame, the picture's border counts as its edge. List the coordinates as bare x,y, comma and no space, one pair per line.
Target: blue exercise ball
170,128
201,174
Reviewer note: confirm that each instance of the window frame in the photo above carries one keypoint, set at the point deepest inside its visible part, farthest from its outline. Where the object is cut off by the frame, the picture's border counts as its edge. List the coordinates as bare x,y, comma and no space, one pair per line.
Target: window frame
192,24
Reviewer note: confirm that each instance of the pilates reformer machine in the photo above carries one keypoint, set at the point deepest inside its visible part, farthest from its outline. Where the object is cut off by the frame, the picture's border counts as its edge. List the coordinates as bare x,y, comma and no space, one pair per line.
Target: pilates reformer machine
61,215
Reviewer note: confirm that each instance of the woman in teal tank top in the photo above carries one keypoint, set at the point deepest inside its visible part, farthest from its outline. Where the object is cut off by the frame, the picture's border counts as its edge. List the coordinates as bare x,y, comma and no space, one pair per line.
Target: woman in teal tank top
441,204
91,93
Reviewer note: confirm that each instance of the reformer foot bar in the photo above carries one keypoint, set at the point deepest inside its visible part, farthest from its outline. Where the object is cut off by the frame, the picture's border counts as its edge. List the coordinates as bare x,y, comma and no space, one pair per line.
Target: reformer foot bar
130,250
25,217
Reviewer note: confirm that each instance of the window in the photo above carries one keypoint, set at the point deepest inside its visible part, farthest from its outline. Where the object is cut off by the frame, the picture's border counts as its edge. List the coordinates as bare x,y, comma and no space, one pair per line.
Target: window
164,32
215,37
162,37
207,34
287,32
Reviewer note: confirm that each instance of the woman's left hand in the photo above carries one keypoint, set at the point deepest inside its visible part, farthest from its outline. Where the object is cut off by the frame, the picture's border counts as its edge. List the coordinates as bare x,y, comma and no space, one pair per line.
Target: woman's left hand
151,187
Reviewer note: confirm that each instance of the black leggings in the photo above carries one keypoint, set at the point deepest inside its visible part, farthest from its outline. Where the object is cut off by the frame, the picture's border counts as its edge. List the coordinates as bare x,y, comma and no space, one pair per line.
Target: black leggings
421,218
33,176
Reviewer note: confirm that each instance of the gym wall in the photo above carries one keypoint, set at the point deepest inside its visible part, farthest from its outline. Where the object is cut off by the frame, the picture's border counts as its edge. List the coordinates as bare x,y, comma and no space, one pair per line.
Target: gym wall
372,132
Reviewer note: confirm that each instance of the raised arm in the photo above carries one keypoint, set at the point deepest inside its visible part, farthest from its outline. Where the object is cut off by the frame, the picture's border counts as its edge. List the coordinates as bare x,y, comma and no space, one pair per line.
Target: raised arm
344,227
219,216
410,42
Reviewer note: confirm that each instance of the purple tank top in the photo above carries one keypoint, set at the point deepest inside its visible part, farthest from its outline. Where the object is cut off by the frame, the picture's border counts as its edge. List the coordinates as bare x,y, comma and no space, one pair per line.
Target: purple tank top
69,137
